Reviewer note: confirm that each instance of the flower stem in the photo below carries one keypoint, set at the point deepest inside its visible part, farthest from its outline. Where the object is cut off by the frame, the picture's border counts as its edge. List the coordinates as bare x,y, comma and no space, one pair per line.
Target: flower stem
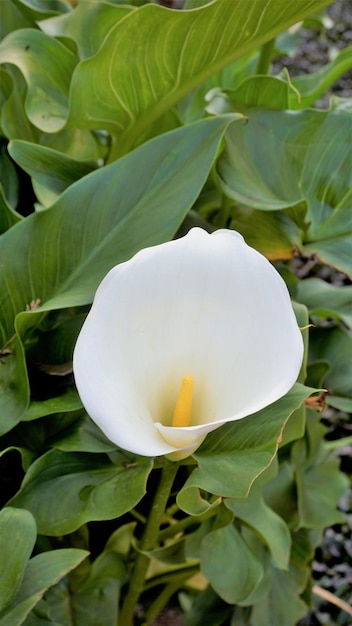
266,53
148,541
183,524
164,597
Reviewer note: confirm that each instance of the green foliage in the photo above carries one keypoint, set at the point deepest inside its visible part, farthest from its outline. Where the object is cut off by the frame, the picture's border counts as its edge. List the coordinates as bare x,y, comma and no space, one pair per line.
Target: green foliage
220,458
122,126
66,490
42,572
284,160
18,534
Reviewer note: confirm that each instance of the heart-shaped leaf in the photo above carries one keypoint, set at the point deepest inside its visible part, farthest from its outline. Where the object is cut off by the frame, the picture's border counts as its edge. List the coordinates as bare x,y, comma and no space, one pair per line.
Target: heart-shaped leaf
65,490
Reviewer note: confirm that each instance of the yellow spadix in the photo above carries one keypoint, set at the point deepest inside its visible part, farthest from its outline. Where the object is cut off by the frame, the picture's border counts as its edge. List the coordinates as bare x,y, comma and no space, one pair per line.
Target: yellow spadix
183,407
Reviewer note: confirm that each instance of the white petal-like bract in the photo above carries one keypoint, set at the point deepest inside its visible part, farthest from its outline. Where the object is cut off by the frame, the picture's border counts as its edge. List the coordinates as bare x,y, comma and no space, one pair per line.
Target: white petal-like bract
208,306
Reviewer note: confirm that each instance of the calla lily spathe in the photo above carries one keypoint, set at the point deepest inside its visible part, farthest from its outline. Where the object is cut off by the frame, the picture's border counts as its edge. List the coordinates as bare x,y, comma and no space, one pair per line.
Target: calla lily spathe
205,308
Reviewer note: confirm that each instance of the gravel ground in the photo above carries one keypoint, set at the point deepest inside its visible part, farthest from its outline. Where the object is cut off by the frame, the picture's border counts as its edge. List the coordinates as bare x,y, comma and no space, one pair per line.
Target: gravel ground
318,45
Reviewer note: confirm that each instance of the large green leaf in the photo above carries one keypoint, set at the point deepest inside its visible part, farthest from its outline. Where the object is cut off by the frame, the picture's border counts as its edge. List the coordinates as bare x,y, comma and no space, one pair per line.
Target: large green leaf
177,51
231,567
39,9
77,24
61,255
325,300
14,120
17,538
208,603
266,523
46,65
67,401
14,386
281,603
8,217
317,507
42,571
78,143
232,457
334,346
93,599
12,18
52,169
65,490
283,158
272,233
86,438
8,178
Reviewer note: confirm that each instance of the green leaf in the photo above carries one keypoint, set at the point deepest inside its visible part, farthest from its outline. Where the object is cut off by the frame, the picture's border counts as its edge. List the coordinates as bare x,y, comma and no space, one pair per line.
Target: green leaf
43,571
47,66
86,438
94,599
280,494
277,599
25,454
61,255
39,9
233,456
67,401
282,603
77,143
14,121
9,178
325,300
208,603
266,92
194,105
12,18
52,169
283,158
65,490
8,217
267,524
172,554
317,506
334,346
143,86
17,538
342,404
230,566
78,23
39,435
302,318
14,386
272,233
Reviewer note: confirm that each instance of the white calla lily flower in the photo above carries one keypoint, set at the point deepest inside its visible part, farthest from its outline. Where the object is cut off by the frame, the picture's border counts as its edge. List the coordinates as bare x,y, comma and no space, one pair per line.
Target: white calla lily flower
184,337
